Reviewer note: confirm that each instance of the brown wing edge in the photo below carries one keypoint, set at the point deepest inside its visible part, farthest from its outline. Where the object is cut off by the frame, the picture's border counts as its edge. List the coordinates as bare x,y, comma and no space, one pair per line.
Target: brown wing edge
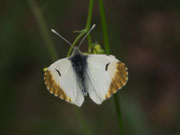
53,87
119,80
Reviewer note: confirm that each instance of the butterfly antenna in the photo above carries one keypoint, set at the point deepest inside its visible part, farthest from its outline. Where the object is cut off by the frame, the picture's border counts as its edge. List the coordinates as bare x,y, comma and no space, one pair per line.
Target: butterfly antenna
61,37
86,35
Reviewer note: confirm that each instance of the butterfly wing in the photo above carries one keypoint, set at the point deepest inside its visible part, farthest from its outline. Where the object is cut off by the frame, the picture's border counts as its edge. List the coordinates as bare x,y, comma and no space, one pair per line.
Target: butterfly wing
105,75
60,80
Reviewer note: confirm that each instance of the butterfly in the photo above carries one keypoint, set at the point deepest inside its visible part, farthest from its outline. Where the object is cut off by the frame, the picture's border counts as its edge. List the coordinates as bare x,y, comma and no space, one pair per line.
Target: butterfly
96,75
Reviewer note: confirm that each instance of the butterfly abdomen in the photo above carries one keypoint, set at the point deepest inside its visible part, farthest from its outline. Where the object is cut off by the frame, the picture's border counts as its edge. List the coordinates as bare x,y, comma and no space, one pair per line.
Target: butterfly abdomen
79,64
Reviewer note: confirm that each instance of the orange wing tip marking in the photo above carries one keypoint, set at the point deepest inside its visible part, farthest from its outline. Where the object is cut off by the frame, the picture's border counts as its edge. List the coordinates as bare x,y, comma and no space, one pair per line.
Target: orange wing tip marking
53,87
119,80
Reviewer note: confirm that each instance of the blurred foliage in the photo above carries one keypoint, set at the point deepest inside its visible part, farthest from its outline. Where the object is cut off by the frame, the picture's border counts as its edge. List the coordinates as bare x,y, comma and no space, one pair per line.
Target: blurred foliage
145,35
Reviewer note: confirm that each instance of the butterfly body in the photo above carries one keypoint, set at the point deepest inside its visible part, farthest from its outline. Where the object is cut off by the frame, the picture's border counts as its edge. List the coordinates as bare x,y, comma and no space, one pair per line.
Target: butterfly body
99,76
79,64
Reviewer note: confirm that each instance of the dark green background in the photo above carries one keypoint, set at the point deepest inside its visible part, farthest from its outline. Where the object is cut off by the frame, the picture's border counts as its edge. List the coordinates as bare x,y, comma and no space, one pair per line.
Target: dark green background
143,34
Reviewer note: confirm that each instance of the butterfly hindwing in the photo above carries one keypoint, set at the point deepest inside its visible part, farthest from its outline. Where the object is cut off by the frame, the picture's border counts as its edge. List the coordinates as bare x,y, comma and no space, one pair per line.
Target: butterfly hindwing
105,75
60,80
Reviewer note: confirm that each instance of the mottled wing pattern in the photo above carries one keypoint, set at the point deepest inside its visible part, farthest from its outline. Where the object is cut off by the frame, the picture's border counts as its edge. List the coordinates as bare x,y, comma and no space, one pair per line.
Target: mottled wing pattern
105,75
60,80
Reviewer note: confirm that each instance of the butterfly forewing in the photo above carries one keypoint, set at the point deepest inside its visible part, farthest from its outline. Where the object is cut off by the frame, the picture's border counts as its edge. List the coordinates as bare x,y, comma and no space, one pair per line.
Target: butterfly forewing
105,75
119,79
60,80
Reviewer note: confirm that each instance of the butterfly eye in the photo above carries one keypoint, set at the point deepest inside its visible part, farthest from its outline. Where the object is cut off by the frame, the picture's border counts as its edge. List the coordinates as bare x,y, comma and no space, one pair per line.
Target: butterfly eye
58,72
106,67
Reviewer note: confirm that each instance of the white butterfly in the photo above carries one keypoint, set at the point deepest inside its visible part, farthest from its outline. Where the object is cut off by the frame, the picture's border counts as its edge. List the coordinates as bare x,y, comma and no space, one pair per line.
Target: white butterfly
74,77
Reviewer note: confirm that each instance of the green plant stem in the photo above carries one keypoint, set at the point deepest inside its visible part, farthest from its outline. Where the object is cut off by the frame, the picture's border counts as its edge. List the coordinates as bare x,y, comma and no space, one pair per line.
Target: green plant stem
43,29
104,27
52,52
119,115
108,51
75,41
84,31
90,12
88,24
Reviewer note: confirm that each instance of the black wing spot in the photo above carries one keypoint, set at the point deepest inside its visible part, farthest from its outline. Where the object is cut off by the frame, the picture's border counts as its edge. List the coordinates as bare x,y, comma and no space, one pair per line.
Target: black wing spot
58,72
106,67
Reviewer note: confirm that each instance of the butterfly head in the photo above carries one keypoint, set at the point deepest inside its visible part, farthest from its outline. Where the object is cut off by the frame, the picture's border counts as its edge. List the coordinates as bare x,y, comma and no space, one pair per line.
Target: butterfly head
76,51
